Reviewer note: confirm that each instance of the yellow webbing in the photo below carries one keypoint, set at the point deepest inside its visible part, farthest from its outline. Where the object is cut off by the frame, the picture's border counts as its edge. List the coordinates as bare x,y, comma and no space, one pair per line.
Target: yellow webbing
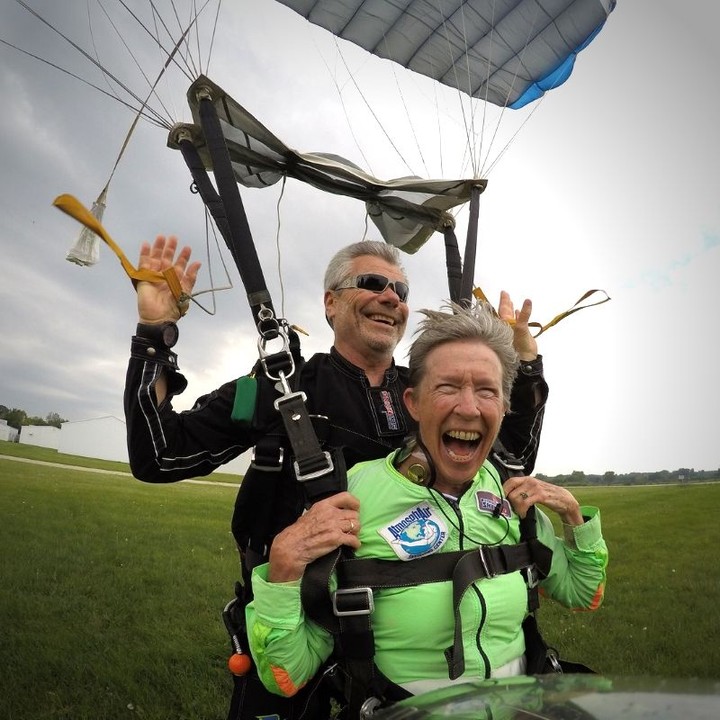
75,209
480,295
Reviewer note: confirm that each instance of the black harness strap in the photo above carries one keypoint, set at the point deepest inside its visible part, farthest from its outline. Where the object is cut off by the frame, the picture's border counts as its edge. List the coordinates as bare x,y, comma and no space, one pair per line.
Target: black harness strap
207,191
466,286
483,564
357,578
242,248
453,263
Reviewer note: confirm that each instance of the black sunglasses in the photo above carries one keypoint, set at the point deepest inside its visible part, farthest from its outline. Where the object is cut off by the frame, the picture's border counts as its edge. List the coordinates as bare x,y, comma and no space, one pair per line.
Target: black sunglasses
377,283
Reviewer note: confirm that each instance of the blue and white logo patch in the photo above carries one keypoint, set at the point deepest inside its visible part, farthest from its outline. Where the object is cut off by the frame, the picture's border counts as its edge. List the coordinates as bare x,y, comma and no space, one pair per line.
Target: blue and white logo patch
417,532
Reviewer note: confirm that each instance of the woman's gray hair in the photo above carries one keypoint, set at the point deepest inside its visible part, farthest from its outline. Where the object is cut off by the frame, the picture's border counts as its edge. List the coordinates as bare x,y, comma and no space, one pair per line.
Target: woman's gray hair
478,322
339,267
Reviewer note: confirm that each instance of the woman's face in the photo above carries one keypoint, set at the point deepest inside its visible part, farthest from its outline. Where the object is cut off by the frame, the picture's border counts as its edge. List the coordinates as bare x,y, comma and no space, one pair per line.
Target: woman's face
459,407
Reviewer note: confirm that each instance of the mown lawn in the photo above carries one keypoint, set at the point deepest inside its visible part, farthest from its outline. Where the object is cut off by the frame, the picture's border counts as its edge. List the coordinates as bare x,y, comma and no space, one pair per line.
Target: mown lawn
112,591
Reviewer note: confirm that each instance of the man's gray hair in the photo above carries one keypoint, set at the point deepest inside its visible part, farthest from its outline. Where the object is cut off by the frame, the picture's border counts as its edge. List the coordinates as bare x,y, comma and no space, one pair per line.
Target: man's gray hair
339,267
478,322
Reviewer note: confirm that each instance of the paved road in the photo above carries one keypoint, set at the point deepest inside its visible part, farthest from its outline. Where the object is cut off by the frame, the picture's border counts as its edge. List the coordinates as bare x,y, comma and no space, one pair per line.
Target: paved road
107,472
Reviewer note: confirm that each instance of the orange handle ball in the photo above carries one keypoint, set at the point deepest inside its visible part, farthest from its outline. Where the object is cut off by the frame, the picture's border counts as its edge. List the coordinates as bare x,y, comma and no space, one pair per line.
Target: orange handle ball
239,664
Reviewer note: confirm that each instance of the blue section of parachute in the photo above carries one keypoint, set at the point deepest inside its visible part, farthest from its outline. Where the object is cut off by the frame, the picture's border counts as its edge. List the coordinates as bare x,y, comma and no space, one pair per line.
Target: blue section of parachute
554,79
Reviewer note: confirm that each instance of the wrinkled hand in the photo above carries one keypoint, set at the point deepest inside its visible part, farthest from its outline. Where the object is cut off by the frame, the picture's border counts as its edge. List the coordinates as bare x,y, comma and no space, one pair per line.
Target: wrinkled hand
156,302
524,343
522,492
326,526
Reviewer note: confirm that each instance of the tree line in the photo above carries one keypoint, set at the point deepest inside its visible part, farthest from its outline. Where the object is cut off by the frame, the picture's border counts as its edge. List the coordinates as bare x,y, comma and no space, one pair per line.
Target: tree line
681,475
17,418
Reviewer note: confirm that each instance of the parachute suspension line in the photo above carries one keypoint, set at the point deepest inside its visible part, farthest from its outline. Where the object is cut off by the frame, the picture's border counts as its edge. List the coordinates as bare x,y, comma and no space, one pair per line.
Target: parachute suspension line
472,132
535,107
86,249
344,108
155,118
407,114
209,228
186,54
485,170
185,67
469,136
167,118
277,247
94,44
206,71
372,112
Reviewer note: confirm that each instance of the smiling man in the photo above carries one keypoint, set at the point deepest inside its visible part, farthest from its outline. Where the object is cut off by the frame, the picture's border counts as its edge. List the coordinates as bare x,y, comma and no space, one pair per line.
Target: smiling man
355,392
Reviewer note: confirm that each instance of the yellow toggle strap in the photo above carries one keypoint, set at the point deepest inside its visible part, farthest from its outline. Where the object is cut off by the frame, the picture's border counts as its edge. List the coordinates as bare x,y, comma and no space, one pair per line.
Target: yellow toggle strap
480,295
75,209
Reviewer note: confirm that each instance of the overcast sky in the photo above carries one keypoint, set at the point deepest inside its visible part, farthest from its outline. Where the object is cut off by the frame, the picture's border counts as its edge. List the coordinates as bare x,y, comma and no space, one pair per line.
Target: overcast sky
613,183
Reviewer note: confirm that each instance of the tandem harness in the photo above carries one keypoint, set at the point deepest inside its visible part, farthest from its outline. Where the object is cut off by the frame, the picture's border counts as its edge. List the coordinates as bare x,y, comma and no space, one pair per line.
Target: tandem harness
347,612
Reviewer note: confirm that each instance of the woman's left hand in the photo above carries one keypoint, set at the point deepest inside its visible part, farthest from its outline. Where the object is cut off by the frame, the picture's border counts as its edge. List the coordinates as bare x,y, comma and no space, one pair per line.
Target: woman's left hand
523,492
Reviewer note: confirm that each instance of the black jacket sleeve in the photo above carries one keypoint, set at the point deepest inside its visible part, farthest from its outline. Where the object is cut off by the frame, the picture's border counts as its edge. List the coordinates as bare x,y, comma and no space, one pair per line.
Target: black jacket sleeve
520,430
167,446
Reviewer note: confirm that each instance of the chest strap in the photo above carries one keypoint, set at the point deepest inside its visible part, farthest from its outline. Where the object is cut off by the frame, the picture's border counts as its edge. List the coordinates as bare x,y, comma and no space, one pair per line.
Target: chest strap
346,613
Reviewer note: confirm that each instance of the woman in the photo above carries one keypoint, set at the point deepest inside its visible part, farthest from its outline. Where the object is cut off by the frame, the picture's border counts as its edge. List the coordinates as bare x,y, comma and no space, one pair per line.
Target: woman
438,497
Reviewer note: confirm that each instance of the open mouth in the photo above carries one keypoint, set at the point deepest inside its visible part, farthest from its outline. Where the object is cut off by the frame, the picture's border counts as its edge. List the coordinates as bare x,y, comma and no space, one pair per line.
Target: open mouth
384,319
461,444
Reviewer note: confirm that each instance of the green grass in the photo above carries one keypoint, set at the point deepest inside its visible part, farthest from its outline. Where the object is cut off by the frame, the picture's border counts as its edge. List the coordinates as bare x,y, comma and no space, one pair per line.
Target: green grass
660,615
41,454
112,589
111,596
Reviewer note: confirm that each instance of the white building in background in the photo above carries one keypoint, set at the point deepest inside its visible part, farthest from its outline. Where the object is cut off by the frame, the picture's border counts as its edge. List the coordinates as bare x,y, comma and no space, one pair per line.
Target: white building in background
46,436
102,438
8,433
105,438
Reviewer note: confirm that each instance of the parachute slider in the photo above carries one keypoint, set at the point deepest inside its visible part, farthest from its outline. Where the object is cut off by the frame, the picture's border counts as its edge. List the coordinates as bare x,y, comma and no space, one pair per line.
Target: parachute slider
75,209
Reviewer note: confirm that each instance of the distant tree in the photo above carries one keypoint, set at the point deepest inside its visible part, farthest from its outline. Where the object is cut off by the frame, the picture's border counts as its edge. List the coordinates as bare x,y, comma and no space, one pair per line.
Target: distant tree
15,418
609,478
54,419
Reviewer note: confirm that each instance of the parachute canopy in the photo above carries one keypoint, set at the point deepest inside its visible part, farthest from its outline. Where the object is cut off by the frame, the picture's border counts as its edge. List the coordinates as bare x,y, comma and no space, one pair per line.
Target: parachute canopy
407,211
507,52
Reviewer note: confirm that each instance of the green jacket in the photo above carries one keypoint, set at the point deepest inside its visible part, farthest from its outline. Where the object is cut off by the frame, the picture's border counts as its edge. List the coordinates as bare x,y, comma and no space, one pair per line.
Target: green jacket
414,625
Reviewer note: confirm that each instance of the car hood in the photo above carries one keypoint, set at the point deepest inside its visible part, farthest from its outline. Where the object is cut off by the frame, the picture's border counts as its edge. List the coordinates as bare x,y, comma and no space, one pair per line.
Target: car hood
565,697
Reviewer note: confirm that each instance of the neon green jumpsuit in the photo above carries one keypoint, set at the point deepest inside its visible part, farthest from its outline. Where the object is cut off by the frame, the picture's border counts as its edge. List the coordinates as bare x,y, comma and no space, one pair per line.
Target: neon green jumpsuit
414,625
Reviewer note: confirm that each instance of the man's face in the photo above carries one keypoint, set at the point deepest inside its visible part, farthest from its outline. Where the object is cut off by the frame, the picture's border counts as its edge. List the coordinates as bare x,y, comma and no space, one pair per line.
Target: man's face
370,323
458,405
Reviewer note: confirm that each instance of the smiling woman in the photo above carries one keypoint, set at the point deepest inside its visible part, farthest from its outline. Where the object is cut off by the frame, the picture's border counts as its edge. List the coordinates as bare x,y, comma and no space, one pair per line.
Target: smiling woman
415,522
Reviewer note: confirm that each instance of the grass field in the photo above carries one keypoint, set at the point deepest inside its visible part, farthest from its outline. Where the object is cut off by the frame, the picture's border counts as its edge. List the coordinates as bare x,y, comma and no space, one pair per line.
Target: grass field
112,590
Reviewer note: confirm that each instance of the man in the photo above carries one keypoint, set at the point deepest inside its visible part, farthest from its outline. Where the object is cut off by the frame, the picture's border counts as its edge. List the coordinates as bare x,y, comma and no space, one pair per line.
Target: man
354,392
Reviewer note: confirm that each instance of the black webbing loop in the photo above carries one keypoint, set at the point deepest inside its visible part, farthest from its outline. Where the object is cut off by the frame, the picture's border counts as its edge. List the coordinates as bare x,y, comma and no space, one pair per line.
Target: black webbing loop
310,459
466,285
453,263
207,191
243,249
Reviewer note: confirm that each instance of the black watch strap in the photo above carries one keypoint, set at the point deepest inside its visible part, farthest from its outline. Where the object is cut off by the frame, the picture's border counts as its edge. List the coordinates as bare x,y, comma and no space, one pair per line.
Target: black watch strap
153,342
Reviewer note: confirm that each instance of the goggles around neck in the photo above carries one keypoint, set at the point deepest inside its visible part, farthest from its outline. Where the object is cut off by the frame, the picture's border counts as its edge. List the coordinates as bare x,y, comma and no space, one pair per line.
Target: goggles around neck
376,283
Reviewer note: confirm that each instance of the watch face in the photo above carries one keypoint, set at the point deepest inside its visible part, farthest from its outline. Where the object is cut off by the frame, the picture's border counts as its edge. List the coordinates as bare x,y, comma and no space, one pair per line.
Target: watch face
170,334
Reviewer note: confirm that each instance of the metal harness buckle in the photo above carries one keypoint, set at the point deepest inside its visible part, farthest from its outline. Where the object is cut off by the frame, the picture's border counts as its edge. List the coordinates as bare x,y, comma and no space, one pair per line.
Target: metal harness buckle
268,468
314,473
486,562
364,594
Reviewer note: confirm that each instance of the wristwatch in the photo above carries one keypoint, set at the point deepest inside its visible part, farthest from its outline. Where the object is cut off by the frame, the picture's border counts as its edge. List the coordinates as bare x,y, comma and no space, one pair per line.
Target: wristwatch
163,334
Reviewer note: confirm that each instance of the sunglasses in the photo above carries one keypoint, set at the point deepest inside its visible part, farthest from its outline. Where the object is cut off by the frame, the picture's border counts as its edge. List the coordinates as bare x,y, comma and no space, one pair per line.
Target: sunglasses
377,283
